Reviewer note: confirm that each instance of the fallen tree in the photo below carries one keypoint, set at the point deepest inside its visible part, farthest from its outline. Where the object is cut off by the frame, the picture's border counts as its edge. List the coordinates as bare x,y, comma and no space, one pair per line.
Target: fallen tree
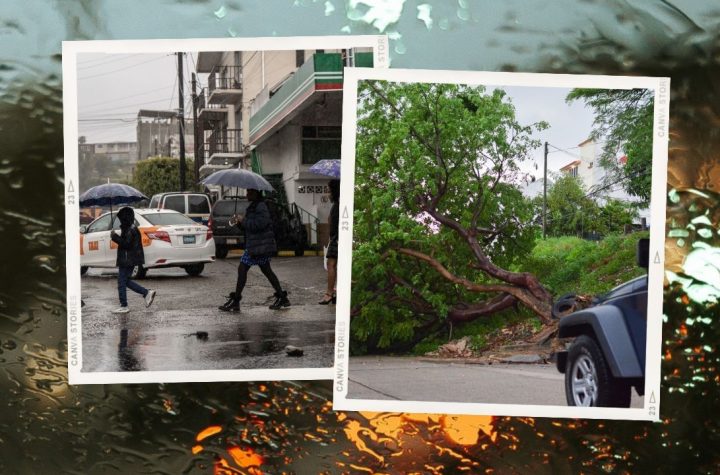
439,219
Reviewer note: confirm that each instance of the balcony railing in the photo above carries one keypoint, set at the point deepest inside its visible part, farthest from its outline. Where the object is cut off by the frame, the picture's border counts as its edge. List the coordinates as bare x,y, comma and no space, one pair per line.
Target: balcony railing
225,141
225,77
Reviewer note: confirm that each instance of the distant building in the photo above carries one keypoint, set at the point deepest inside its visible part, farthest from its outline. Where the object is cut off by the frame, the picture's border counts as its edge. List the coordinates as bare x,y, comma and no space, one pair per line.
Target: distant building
115,151
594,176
158,135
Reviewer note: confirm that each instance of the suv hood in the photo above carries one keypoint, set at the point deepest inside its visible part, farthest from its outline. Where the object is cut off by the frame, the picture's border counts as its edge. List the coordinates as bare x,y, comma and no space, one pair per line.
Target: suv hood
638,284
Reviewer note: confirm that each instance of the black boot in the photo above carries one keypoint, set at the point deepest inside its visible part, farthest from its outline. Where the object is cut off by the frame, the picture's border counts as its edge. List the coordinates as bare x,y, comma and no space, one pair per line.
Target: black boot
232,304
281,301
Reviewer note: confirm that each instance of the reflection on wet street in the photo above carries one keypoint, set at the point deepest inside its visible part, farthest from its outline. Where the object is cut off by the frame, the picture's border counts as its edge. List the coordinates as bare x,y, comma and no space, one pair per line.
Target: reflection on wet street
183,330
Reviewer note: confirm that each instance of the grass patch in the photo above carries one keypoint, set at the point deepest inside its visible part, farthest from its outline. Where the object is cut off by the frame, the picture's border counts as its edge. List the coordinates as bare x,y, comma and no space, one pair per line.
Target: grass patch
563,265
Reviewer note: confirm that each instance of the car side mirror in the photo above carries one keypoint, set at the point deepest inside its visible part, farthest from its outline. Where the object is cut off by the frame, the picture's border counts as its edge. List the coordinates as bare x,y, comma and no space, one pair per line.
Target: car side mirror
83,229
643,253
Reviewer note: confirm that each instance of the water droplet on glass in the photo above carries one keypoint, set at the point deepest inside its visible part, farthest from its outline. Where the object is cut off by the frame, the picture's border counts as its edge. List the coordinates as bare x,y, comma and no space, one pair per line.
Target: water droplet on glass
400,47
329,8
220,12
424,15
444,24
463,14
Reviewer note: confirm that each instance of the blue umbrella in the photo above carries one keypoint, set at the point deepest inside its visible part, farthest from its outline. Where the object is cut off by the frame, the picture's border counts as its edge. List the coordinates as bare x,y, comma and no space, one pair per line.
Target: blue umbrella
111,194
329,168
238,178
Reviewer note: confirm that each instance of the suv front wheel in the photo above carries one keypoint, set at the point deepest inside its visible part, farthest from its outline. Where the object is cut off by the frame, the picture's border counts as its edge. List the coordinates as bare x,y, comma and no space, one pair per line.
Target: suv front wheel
588,380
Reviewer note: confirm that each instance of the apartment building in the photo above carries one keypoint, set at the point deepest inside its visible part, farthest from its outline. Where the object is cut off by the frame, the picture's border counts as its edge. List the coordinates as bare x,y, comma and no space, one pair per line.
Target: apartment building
277,112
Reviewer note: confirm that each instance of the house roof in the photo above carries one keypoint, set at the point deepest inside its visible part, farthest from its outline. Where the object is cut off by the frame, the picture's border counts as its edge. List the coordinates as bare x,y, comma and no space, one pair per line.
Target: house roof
570,165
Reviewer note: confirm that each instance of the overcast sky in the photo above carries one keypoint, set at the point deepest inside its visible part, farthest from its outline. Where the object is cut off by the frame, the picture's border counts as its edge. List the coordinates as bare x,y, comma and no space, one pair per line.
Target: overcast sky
569,124
113,87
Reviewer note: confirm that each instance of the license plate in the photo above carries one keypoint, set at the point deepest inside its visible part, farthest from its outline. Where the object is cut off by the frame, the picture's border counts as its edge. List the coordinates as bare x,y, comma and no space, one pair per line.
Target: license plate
232,241
189,239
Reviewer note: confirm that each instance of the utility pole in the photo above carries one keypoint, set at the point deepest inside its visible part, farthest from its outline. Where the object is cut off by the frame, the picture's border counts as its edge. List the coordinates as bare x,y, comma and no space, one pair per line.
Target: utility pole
181,121
544,222
195,128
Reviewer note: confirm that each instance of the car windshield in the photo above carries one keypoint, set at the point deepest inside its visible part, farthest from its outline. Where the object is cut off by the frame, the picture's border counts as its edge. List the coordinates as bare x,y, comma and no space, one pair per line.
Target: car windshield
230,207
163,219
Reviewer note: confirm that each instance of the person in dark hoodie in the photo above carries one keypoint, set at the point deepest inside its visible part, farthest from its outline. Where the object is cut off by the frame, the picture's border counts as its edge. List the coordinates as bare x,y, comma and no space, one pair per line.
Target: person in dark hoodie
129,254
260,246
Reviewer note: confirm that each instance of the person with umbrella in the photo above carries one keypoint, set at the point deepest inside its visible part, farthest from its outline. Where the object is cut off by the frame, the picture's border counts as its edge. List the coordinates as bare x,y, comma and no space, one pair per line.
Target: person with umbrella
129,254
331,168
260,243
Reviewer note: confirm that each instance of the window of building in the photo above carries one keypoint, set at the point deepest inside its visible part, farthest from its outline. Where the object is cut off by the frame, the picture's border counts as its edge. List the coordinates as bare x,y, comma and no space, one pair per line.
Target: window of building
320,143
573,171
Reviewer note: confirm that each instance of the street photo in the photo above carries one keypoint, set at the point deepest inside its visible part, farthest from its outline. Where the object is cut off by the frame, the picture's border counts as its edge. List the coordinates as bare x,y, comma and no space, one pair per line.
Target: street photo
203,188
506,235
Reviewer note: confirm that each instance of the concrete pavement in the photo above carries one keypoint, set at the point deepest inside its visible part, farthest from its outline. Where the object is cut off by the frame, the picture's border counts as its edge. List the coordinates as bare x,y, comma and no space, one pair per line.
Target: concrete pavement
184,330
410,379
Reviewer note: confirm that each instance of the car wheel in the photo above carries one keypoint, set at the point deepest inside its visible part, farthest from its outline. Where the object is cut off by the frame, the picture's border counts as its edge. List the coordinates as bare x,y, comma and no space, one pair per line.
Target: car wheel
588,380
221,252
83,270
139,272
194,269
300,251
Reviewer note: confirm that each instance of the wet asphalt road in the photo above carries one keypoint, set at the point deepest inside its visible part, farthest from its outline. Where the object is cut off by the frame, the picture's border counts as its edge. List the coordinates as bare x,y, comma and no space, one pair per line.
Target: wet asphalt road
184,330
406,379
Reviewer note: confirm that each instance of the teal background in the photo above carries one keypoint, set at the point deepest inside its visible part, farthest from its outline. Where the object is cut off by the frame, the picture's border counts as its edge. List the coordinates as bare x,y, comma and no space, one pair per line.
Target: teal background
47,426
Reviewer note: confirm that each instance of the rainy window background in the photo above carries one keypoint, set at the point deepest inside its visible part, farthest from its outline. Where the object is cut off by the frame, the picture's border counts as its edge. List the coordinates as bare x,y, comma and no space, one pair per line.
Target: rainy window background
47,426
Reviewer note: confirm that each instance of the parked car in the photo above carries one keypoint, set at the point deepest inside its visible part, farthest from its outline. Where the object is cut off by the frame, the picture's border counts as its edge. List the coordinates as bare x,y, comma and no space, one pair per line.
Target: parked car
290,232
169,239
195,206
606,358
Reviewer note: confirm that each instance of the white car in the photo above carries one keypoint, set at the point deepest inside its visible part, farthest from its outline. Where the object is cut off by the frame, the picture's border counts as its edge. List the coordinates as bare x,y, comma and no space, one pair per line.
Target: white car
169,239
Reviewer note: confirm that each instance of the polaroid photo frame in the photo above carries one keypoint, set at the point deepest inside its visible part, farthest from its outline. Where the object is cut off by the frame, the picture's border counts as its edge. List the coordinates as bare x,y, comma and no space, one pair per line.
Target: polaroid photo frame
379,386
322,76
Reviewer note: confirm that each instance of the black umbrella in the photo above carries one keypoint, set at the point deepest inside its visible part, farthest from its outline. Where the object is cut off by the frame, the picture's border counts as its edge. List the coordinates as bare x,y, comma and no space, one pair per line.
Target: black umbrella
239,178
111,194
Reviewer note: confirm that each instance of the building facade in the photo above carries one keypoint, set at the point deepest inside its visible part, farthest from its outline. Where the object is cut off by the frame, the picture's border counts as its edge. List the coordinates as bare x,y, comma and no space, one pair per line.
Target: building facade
158,135
595,177
285,107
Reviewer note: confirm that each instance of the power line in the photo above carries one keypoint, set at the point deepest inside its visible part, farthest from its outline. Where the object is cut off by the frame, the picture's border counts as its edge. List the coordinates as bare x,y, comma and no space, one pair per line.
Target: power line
92,106
104,58
122,69
111,60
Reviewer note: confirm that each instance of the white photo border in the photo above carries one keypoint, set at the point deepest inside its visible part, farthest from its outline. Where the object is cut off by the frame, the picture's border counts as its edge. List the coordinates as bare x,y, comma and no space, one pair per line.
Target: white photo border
70,51
661,87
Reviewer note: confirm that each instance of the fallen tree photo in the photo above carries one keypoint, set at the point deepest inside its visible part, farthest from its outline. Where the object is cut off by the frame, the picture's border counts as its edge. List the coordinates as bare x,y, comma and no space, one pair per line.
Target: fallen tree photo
439,219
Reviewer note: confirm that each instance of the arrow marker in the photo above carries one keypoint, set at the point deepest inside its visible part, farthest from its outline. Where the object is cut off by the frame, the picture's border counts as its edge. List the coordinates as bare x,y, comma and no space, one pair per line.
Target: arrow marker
345,213
657,257
652,397
71,188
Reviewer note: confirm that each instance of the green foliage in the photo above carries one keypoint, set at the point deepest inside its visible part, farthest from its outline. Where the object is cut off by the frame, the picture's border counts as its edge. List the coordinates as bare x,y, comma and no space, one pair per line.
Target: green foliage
162,174
417,142
572,211
624,119
570,264
564,264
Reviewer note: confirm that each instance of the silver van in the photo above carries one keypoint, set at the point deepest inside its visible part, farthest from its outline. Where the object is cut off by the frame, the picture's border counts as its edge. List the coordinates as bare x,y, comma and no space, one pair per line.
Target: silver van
195,206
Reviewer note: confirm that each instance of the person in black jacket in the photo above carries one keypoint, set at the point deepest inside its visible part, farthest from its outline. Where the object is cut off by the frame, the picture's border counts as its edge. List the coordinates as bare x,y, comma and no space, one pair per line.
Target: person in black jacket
129,254
332,249
260,246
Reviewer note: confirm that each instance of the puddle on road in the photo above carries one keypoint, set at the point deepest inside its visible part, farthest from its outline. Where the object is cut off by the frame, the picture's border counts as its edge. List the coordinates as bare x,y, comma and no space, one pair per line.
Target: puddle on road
137,347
